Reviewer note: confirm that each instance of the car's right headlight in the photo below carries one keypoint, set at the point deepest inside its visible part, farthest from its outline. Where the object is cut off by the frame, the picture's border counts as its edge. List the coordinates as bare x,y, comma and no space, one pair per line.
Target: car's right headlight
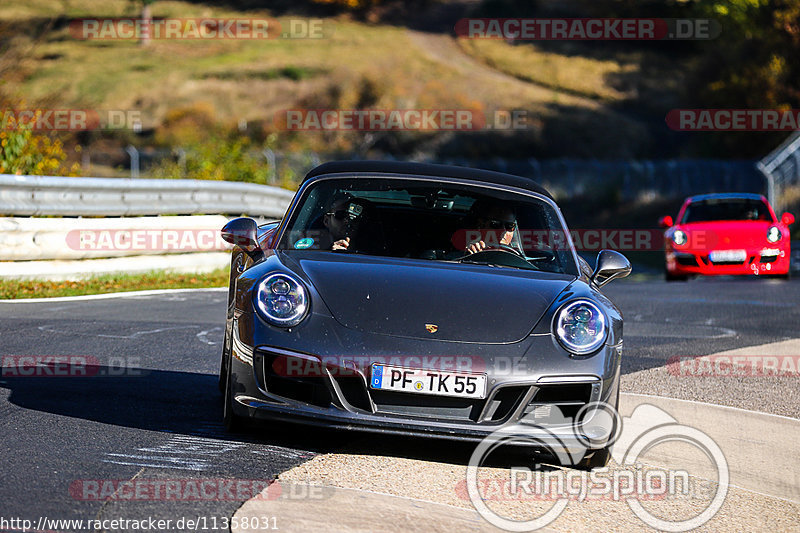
580,327
679,237
281,300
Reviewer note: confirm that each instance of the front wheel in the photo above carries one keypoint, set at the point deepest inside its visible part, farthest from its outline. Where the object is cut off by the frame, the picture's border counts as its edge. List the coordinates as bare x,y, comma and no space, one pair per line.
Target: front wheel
233,422
226,348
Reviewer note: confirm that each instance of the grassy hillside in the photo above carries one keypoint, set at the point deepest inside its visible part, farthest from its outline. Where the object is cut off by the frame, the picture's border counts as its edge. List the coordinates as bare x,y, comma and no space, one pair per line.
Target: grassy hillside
575,104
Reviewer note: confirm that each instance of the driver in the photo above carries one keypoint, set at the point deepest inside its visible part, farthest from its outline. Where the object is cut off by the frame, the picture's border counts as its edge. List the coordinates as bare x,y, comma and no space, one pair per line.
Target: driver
495,219
342,219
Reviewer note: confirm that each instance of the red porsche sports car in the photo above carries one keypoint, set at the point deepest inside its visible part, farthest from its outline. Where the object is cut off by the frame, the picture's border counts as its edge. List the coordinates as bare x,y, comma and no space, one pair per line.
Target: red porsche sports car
724,234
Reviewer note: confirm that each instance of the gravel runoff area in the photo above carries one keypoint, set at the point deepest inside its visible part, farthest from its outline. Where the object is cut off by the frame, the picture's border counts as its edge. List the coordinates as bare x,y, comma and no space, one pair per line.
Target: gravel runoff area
444,483
756,393
402,487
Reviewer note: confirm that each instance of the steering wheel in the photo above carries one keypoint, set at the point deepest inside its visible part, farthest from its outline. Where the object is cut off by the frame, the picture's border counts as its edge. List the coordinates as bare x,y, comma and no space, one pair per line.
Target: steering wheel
500,254
500,247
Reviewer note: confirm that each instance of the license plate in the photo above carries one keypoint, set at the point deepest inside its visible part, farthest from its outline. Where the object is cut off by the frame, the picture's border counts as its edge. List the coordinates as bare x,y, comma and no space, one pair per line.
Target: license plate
727,256
460,384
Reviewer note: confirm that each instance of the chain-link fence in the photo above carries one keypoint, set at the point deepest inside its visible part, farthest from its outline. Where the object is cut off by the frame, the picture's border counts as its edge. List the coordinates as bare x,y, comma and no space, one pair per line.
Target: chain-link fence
625,179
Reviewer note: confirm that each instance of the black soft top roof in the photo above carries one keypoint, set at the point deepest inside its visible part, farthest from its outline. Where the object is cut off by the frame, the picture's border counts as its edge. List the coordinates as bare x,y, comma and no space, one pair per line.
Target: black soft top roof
426,169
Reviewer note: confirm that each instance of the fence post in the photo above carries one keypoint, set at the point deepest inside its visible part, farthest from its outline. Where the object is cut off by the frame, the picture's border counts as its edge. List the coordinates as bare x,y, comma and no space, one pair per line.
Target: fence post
134,154
271,166
770,184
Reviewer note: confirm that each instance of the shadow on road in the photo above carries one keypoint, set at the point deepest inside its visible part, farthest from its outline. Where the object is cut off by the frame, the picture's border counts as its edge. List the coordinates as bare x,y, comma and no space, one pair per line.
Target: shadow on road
190,404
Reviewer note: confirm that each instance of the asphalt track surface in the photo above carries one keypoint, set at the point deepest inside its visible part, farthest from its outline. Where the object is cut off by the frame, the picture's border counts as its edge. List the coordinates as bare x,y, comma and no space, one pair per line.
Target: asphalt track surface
151,411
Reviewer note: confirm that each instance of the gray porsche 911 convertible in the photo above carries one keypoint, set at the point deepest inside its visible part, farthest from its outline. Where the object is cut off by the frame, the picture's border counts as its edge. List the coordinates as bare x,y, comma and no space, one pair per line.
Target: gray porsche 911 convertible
426,300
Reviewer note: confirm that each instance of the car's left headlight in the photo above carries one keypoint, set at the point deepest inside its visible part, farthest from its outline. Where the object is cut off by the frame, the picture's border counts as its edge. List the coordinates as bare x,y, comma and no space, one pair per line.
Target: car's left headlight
774,234
281,300
580,327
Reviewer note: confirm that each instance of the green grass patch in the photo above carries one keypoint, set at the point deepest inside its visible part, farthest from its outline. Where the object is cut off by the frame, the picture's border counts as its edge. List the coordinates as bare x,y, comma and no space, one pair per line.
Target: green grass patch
18,288
289,72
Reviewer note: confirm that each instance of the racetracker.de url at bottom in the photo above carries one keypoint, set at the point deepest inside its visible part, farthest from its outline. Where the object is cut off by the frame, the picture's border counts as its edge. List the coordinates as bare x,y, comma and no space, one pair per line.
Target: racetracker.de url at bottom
196,523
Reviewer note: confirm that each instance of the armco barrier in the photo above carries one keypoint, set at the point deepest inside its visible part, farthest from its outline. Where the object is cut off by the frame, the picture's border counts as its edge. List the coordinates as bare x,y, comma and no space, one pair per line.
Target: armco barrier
84,243
26,239
60,196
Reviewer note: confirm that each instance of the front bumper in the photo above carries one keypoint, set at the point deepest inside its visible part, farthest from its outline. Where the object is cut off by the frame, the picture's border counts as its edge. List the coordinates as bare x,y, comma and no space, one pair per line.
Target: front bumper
769,260
335,393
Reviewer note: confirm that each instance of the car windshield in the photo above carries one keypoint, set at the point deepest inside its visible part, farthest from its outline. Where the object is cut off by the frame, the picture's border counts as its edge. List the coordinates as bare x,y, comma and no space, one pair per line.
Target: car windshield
433,220
719,209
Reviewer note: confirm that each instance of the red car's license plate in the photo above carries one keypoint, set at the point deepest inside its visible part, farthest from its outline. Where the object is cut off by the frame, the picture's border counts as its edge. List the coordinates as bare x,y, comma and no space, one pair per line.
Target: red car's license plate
727,256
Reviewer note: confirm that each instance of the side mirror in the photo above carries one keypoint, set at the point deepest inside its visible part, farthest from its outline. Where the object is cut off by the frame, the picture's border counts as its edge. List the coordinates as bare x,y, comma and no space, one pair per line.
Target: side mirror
243,232
610,265
666,222
787,219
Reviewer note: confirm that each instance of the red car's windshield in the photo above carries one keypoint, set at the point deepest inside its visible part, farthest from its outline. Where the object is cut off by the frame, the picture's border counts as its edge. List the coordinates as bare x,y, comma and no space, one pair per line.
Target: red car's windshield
720,209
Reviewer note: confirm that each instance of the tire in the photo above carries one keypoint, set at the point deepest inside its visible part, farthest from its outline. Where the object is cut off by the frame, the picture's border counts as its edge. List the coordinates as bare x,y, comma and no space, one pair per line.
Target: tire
598,459
223,360
675,277
233,422
784,277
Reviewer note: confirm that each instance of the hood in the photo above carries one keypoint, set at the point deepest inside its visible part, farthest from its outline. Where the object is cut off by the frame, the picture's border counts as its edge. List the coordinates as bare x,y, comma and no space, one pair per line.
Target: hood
400,297
725,235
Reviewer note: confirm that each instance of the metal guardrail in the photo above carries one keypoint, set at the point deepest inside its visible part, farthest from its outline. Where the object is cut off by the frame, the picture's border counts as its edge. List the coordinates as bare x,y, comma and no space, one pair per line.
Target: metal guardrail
781,167
34,238
60,196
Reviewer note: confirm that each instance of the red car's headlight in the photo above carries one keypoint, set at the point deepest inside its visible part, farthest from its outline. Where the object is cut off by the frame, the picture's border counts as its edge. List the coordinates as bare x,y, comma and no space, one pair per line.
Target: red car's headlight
774,234
679,237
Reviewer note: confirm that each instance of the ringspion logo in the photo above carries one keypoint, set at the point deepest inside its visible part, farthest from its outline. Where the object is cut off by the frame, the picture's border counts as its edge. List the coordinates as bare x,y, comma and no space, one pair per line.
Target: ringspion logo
602,484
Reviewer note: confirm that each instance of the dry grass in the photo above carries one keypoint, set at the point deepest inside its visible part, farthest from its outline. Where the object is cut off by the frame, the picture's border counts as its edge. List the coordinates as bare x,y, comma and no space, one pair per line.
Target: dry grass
228,74
13,289
575,75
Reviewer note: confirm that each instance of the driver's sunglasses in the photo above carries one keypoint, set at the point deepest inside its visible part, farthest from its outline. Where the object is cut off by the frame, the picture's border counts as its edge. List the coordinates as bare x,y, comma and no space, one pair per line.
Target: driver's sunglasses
498,224
341,214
